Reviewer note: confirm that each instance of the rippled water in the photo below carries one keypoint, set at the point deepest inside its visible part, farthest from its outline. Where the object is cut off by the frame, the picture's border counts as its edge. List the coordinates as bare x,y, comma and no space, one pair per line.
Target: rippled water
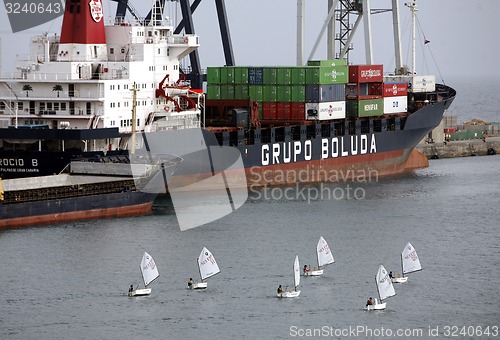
70,281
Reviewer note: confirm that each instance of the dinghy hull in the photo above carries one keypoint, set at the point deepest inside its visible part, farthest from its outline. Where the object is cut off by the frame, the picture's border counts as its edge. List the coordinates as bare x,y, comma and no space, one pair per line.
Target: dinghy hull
141,292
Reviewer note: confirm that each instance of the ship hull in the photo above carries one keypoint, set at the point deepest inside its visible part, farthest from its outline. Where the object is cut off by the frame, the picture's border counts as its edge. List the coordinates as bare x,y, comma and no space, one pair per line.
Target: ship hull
111,205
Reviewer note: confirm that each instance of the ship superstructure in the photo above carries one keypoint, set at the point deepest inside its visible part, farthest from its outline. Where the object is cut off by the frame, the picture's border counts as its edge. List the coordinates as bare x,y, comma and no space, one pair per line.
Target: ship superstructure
84,78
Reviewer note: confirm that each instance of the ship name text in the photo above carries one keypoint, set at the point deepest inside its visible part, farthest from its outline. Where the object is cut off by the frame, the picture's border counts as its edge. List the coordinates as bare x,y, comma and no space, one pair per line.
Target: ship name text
296,151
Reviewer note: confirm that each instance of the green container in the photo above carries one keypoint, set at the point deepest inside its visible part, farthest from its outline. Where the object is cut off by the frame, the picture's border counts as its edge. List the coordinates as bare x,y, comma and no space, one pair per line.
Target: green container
256,92
284,93
270,93
284,76
227,75
298,93
270,76
213,75
241,75
298,75
322,75
241,92
227,92
213,91
331,62
365,108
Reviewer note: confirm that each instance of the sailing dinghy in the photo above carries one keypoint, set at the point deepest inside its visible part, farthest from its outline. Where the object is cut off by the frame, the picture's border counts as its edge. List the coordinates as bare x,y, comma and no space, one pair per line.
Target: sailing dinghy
149,272
385,289
324,256
207,266
409,263
296,277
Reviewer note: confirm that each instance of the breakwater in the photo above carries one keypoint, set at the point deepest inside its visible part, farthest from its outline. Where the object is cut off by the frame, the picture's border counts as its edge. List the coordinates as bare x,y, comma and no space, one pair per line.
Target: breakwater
462,148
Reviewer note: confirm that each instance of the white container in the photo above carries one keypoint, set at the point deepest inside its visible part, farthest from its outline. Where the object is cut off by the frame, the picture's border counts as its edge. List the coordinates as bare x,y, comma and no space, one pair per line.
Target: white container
325,111
395,104
422,84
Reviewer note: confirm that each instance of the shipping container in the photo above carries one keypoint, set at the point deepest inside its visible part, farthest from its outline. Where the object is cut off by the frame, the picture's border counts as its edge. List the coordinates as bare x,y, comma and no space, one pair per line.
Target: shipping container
318,75
284,76
227,92
422,84
255,75
366,73
283,111
395,104
213,75
270,93
241,75
450,130
326,111
270,76
395,89
365,108
325,93
227,75
268,111
331,62
241,92
297,111
213,92
284,93
298,94
256,93
298,75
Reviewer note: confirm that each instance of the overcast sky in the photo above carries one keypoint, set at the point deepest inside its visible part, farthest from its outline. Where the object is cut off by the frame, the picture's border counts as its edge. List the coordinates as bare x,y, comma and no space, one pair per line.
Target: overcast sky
464,35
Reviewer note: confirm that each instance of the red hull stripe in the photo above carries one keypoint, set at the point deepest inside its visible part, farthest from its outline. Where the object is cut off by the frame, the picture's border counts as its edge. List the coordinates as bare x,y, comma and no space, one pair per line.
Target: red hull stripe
136,210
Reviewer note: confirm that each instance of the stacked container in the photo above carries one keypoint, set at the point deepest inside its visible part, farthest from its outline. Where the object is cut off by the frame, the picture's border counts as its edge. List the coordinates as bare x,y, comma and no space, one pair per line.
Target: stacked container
395,98
284,93
364,92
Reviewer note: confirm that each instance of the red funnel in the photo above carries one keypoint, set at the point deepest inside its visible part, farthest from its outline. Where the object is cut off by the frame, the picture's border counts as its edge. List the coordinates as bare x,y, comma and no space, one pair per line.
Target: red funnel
83,22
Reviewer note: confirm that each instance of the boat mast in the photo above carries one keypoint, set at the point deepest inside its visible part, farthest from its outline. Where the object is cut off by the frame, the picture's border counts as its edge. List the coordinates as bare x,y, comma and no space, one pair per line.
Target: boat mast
402,270
378,290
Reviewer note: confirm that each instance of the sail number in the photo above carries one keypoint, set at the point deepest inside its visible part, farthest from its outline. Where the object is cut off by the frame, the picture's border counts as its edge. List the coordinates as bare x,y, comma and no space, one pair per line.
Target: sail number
32,8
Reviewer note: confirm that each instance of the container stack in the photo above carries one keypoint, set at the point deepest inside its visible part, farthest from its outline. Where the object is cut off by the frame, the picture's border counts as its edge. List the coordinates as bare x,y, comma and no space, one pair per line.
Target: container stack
316,91
395,98
364,92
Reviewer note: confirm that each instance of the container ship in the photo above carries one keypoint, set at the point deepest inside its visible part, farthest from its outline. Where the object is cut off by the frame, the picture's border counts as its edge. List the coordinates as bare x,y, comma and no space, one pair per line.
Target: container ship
89,91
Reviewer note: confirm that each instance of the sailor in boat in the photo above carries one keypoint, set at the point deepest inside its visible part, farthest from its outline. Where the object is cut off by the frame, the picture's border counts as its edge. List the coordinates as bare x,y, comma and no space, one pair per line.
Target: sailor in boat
279,290
190,283
130,290
306,270
390,276
369,302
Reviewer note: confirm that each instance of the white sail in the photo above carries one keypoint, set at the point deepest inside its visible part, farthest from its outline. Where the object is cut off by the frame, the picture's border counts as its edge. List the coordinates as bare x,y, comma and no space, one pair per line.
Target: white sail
207,264
149,269
409,259
324,253
296,271
384,284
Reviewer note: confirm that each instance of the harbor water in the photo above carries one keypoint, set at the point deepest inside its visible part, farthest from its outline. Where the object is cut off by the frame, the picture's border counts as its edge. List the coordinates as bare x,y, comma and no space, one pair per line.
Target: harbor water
70,281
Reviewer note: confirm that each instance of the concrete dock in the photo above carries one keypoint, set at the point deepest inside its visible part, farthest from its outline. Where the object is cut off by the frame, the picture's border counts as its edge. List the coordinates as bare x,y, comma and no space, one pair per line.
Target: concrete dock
461,148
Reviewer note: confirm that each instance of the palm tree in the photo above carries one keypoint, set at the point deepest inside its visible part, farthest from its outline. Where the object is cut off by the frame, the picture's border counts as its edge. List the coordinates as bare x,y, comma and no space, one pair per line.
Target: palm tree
57,88
27,88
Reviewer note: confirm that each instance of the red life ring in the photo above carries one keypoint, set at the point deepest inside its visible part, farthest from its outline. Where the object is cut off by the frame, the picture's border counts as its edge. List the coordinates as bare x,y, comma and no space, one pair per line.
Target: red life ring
186,40
166,108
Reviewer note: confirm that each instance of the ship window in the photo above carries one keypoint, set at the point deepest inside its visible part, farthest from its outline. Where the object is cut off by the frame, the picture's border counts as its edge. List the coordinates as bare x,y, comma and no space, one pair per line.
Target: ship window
63,106
2,106
20,105
49,106
122,50
158,51
42,106
168,52
111,50
118,86
56,106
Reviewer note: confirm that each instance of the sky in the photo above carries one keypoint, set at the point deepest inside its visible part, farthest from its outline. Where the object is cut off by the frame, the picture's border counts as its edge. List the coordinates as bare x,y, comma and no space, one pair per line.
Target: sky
463,34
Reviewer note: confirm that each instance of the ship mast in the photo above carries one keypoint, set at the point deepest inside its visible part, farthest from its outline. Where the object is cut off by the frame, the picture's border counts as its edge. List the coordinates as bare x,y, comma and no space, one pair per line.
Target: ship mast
413,8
